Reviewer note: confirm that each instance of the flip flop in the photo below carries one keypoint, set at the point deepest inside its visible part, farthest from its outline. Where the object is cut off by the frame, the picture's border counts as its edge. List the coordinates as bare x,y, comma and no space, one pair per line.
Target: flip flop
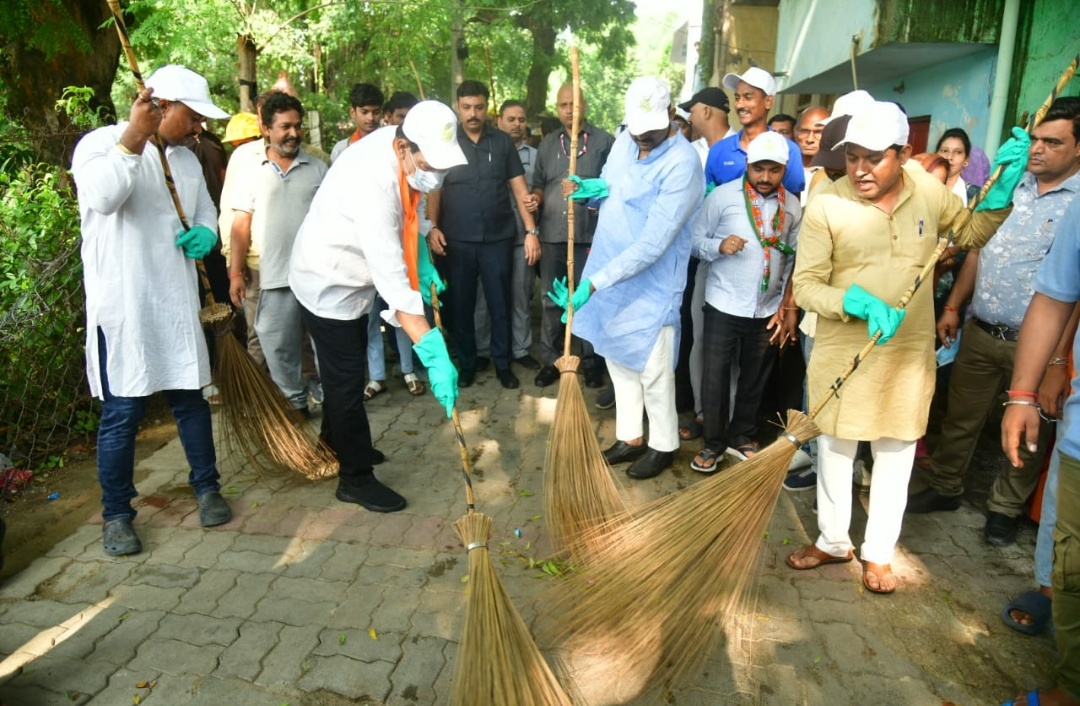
821,557
693,430
373,388
1032,699
881,572
710,460
1035,604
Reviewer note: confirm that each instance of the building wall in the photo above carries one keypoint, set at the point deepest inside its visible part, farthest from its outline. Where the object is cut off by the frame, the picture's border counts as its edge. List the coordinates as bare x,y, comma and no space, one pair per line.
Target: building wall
815,36
1052,40
955,94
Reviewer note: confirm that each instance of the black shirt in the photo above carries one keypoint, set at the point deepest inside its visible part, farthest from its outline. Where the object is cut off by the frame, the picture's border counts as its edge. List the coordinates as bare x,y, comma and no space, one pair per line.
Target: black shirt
475,203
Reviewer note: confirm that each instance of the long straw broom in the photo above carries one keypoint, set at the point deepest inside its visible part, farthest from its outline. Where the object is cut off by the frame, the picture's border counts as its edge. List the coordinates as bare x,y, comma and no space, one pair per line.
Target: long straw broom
498,662
255,412
579,492
673,570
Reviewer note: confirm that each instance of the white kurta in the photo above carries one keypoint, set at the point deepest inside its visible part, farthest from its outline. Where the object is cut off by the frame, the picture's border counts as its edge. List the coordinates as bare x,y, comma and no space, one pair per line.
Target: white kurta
140,288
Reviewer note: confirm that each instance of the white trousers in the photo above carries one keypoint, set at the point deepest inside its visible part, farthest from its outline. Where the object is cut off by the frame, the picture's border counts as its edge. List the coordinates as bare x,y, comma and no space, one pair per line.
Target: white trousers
652,391
888,496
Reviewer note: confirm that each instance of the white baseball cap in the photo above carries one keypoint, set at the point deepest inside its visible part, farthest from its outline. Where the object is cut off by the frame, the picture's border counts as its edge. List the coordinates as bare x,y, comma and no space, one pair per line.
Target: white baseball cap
433,127
849,104
877,127
756,77
680,113
648,105
769,146
179,83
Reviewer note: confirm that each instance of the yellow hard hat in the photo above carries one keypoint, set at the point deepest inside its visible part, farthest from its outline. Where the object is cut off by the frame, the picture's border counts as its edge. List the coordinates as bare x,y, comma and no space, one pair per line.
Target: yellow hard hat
242,126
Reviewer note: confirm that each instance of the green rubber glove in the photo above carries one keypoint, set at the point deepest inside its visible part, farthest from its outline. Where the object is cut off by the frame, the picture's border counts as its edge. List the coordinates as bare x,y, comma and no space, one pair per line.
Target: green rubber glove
709,188
197,242
589,189
878,315
443,376
426,271
559,290
1012,157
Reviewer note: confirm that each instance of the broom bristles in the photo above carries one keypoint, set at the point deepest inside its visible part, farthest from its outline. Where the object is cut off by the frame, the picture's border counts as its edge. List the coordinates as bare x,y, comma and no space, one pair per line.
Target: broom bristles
579,492
259,421
679,564
498,664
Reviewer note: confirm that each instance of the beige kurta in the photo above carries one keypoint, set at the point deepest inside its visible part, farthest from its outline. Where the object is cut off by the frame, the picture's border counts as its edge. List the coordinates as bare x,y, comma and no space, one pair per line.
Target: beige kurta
845,239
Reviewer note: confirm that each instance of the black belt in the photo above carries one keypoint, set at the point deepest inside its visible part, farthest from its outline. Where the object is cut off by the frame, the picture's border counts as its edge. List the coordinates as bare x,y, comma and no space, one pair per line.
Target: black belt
1004,333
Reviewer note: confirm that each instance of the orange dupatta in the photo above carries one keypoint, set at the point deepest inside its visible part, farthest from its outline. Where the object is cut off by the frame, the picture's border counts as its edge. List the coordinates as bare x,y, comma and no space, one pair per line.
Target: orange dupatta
410,231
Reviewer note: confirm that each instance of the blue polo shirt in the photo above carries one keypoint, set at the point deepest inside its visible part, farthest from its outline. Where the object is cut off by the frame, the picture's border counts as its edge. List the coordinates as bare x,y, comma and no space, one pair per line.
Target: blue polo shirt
727,162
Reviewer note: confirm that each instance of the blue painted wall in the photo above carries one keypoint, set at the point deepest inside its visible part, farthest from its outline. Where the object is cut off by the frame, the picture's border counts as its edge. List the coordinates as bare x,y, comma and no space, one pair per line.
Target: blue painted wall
953,94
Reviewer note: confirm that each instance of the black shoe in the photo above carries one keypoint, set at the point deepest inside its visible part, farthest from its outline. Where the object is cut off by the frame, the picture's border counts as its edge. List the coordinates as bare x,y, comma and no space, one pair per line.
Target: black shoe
507,378
466,378
606,399
621,452
377,457
930,500
528,362
213,510
547,376
482,363
594,375
371,495
651,464
1000,529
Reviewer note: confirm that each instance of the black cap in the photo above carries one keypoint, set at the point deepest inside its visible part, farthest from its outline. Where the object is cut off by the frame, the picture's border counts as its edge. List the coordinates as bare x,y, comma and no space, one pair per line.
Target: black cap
830,136
710,96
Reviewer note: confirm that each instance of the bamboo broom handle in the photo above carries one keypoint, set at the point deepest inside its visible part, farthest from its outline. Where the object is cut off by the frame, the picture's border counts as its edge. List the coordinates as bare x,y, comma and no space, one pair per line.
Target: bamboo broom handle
466,463
575,125
140,85
928,268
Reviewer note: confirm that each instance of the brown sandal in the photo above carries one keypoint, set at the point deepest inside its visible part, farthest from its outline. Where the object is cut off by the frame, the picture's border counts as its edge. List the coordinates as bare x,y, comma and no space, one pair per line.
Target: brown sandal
879,572
819,557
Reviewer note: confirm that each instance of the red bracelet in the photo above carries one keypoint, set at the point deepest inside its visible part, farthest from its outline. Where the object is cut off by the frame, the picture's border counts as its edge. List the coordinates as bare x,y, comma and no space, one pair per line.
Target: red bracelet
953,309
1021,393
235,274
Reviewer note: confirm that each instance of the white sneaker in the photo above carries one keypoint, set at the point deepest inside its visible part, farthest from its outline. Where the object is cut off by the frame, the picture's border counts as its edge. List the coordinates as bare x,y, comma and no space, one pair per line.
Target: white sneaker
801,459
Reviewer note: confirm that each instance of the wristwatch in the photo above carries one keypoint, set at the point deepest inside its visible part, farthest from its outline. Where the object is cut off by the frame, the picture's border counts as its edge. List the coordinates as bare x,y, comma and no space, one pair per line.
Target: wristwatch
533,231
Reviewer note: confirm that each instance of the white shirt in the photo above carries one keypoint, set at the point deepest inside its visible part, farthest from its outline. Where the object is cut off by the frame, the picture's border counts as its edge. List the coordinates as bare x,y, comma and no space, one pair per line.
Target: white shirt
349,245
140,288
959,188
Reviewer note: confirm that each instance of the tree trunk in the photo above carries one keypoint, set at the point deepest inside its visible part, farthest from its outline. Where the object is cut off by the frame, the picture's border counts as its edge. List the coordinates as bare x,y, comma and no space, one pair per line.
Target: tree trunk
457,45
245,48
543,61
86,56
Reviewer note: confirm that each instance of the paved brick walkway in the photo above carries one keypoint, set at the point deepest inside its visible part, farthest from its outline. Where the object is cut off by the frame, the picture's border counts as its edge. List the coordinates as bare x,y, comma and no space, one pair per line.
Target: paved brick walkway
303,600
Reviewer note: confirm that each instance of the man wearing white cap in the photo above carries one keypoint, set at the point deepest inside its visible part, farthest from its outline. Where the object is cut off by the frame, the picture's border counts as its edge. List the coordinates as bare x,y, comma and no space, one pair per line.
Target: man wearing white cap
634,278
754,92
142,298
746,232
862,242
360,236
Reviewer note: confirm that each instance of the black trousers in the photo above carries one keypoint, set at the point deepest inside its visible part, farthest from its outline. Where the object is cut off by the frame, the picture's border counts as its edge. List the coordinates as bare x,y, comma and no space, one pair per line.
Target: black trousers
552,329
493,264
726,337
341,347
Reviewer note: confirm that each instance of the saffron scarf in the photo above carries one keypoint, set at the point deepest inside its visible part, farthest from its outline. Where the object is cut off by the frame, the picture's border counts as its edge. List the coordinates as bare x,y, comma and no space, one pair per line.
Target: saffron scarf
410,228
755,204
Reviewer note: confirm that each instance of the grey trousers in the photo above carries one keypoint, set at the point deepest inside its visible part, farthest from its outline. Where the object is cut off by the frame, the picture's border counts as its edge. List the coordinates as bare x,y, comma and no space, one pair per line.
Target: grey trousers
251,306
281,333
553,267
522,282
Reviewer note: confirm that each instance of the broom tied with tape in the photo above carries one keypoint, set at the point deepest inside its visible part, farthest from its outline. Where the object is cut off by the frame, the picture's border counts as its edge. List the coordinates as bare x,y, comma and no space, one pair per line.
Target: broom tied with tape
665,576
579,492
256,414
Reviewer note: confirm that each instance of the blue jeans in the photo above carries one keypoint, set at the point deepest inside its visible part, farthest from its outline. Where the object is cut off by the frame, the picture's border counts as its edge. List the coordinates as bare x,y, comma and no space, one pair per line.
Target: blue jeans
1044,544
120,417
376,354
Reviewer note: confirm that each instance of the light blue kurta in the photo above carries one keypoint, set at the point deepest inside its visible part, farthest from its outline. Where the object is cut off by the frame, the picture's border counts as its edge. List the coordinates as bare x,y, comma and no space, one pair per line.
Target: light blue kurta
641,248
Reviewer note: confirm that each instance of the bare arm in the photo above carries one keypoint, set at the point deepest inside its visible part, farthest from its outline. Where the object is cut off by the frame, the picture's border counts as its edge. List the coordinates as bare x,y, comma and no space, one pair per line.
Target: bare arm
963,288
1054,388
527,205
240,243
436,238
413,325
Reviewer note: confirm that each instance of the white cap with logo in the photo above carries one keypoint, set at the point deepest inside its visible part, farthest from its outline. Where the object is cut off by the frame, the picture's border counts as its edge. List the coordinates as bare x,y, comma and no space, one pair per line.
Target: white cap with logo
849,104
756,77
648,105
433,127
876,127
769,146
179,83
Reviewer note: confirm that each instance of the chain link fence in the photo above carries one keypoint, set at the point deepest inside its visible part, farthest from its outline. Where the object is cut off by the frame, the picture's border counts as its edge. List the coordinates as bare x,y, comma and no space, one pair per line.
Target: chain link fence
45,406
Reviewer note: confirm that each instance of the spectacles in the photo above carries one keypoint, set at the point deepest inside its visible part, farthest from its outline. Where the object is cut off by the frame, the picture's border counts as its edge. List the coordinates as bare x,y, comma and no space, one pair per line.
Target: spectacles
803,132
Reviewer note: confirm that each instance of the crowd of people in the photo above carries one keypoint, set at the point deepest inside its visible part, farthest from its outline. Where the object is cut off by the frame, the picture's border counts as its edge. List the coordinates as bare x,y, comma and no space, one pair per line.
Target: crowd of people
751,258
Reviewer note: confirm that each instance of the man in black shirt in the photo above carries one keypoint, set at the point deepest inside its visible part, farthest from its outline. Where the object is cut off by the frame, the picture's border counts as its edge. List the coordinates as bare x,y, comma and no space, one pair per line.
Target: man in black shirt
473,226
